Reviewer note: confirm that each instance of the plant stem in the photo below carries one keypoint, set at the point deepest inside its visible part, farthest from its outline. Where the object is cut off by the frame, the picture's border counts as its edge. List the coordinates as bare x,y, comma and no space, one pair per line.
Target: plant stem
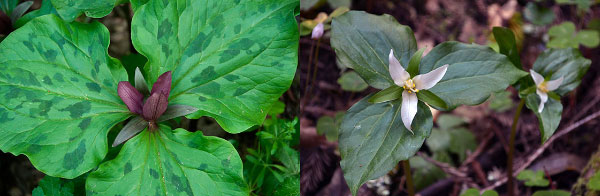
310,56
315,68
409,180
511,148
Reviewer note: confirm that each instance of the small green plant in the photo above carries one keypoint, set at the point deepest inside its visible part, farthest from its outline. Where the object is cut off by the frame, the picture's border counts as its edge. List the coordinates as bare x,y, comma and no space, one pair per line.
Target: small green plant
564,35
533,178
475,192
63,93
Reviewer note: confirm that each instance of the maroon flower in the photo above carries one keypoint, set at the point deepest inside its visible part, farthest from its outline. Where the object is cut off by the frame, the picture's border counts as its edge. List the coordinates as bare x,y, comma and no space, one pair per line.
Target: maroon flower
150,112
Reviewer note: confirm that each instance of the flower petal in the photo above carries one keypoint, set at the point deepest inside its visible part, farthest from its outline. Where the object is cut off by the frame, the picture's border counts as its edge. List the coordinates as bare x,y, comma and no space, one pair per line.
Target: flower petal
131,97
554,84
398,73
543,99
428,80
409,108
155,106
162,84
317,32
537,78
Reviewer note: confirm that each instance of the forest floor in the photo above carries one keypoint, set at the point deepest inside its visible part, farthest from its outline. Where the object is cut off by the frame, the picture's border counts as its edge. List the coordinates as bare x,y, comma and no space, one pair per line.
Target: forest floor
563,157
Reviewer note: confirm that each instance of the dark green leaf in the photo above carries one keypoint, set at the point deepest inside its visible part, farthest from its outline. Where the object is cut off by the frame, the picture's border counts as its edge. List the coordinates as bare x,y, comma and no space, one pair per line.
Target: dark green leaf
363,41
550,117
432,99
568,63
59,95
373,139
474,73
131,62
350,81
232,61
538,15
415,60
171,162
508,44
389,94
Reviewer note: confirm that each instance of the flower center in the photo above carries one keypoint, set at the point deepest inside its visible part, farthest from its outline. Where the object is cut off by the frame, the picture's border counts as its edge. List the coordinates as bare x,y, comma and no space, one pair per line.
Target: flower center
543,87
410,86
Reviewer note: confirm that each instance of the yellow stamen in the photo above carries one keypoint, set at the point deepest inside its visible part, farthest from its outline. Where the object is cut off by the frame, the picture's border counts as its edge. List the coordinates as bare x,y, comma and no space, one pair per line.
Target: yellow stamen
410,86
543,87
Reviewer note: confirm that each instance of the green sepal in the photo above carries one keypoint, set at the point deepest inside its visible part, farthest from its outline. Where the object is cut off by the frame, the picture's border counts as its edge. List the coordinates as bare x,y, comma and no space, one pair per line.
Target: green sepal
432,99
389,94
413,64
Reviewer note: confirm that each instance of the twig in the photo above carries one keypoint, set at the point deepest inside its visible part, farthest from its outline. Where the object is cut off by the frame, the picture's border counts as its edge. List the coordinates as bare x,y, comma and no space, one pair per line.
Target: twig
540,150
444,166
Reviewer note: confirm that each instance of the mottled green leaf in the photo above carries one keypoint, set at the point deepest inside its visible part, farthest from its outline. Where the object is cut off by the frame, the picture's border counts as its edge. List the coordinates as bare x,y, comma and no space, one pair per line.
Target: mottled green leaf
474,72
350,81
538,15
169,162
135,4
59,95
550,117
507,44
532,178
69,10
373,139
231,59
363,42
552,193
45,9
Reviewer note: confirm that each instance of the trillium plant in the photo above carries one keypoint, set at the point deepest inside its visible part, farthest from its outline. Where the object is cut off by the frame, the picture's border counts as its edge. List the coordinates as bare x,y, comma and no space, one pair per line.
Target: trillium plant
64,97
555,73
391,125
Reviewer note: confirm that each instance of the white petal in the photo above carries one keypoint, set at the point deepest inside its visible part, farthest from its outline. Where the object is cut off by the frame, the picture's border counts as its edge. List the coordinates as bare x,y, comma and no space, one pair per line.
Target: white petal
317,32
409,108
399,74
537,78
543,99
428,80
554,84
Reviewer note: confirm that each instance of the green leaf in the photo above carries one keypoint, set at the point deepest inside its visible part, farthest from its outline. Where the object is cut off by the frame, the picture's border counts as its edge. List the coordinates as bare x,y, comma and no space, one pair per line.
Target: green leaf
290,186
415,60
131,62
594,182
69,10
135,4
508,45
278,108
471,192
439,140
552,193
490,193
588,38
501,101
232,68
350,81
538,15
171,162
363,41
45,9
562,62
329,126
461,141
427,172
373,139
432,99
550,117
532,178
563,36
54,186
448,121
307,4
389,94
59,95
474,72
7,6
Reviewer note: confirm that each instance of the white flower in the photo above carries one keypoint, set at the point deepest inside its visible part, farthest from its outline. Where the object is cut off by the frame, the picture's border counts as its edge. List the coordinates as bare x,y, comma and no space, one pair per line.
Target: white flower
543,87
317,32
412,86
